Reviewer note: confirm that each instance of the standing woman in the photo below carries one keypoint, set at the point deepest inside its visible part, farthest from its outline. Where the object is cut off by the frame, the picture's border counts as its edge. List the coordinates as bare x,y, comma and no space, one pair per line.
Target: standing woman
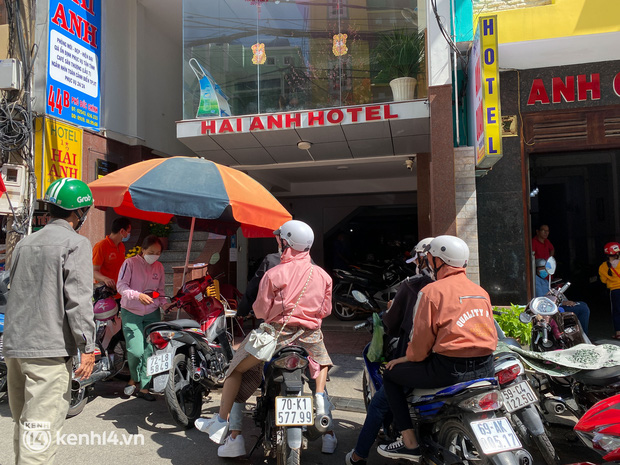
609,272
138,278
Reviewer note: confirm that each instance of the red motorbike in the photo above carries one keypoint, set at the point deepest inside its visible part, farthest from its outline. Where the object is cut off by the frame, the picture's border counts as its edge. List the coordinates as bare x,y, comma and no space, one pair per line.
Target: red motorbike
599,429
190,356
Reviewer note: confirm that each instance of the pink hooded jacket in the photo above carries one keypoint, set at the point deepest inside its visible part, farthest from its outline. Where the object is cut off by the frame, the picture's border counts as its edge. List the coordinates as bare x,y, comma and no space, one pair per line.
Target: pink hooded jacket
281,286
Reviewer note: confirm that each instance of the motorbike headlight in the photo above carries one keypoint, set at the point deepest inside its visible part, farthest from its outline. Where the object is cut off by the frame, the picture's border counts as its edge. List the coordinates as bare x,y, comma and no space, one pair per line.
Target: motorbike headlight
483,402
291,362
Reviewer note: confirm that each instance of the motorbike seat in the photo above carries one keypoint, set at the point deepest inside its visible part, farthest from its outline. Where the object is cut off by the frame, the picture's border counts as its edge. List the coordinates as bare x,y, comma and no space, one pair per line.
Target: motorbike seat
454,389
174,324
600,377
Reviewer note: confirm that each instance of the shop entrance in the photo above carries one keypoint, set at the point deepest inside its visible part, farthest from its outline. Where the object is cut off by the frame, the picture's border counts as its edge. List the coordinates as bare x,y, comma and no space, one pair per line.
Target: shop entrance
577,195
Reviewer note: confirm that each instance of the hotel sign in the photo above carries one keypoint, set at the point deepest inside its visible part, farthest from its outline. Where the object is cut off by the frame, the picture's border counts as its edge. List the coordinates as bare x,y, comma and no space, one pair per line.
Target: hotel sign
484,94
299,119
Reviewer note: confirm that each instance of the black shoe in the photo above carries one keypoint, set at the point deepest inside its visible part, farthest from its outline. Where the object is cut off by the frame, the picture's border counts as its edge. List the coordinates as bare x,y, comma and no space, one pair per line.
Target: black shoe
397,450
146,396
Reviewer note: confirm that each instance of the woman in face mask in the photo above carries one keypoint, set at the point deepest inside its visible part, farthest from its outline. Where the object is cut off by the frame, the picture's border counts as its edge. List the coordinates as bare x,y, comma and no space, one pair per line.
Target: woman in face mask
141,282
609,272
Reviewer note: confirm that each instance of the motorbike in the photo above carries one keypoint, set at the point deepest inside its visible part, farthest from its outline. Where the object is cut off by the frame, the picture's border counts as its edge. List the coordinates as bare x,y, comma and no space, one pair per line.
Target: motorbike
379,288
460,423
190,356
552,330
599,429
285,412
521,404
110,352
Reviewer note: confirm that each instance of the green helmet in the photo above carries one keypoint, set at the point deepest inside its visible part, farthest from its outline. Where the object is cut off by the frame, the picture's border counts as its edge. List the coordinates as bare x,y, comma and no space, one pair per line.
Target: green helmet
69,194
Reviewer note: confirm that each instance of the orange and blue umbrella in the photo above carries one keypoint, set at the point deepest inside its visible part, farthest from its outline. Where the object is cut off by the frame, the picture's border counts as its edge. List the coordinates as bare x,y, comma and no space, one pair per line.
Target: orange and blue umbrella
219,198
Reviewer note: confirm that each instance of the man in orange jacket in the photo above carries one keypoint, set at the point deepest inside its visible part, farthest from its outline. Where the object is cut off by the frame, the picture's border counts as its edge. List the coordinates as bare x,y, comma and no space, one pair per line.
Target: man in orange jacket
452,340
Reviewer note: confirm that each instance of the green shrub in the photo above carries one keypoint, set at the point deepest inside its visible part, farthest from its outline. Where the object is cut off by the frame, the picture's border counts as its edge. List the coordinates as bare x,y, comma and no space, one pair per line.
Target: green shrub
510,324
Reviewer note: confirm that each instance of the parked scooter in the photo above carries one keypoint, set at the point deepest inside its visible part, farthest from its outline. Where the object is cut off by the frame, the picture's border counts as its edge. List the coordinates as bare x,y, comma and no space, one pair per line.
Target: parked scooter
599,429
379,288
456,424
521,404
552,330
190,357
284,410
110,353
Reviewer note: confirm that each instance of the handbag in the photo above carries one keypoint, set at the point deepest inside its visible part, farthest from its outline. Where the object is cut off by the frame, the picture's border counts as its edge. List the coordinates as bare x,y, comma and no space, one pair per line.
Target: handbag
262,342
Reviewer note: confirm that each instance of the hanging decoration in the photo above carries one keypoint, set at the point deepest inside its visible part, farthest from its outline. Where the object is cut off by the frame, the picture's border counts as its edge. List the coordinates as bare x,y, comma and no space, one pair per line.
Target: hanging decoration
340,45
256,2
258,50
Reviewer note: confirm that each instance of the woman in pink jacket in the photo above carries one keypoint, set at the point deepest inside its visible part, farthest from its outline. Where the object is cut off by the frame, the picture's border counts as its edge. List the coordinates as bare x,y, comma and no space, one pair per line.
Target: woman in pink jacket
279,302
138,279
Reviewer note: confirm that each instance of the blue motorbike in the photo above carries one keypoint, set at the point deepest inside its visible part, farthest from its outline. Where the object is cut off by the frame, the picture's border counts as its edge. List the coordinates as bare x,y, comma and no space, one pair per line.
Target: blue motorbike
460,424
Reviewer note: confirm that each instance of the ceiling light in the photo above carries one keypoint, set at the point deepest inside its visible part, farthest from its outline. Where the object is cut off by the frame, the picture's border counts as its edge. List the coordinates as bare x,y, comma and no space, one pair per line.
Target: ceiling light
304,145
342,167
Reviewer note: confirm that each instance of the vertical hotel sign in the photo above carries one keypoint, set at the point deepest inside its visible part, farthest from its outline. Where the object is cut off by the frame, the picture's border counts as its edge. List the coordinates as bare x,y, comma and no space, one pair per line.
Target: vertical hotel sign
73,71
486,99
59,152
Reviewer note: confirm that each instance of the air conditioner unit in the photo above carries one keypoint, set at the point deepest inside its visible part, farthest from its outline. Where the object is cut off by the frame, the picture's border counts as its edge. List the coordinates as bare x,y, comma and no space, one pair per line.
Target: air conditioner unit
14,177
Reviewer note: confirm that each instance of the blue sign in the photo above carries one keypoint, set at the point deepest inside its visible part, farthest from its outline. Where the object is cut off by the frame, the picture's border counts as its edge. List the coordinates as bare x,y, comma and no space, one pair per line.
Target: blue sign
73,67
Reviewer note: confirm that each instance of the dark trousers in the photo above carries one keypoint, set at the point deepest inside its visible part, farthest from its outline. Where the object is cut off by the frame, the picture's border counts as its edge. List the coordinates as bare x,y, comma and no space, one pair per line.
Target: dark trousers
436,371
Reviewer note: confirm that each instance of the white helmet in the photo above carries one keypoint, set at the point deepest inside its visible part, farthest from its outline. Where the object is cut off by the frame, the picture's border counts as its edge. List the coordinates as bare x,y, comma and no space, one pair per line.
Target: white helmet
420,248
452,250
297,234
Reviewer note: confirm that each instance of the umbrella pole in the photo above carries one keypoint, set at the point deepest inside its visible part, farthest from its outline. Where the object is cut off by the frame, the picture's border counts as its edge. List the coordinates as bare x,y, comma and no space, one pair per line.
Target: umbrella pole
189,248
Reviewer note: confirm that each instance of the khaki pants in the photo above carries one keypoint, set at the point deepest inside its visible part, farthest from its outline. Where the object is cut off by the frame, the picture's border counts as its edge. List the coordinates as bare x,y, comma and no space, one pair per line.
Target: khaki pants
39,395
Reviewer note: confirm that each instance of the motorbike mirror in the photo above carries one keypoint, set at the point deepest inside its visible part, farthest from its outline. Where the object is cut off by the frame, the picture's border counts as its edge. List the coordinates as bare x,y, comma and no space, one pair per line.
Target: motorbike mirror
525,318
214,258
543,306
360,297
551,265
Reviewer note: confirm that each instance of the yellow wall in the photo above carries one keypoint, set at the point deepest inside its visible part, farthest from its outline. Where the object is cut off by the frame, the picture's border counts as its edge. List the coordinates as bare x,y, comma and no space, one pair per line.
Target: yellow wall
4,41
564,18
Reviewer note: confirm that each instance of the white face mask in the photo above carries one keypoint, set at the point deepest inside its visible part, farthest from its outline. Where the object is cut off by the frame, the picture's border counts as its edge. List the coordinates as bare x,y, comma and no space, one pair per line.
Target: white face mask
150,259
614,263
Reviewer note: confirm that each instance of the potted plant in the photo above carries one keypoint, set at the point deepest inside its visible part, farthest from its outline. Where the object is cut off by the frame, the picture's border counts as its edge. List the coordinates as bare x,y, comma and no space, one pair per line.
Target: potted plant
400,58
162,231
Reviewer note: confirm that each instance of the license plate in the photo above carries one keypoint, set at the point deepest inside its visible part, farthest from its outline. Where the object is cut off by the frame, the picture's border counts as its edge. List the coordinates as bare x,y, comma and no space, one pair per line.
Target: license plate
495,435
294,411
159,363
518,396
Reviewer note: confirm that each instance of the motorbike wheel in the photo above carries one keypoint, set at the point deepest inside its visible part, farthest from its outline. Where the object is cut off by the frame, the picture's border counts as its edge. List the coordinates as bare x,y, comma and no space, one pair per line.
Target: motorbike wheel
462,443
284,454
344,312
121,368
79,399
2,379
546,449
183,395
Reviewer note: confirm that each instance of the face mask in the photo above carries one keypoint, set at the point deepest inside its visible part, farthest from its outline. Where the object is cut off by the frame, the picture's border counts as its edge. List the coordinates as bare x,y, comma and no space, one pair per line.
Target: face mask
126,238
614,263
543,274
150,259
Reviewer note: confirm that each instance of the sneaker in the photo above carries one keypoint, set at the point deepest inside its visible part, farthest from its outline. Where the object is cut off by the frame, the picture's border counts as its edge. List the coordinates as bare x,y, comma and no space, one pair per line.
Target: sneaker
329,443
129,389
397,450
348,459
323,404
232,447
214,427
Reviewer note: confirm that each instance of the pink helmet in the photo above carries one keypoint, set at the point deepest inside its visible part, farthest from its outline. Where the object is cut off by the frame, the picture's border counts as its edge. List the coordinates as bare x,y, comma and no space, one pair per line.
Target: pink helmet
105,309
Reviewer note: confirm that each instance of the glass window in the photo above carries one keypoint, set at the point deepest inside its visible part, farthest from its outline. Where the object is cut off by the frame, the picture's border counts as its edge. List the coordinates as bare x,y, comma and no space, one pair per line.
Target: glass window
261,56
